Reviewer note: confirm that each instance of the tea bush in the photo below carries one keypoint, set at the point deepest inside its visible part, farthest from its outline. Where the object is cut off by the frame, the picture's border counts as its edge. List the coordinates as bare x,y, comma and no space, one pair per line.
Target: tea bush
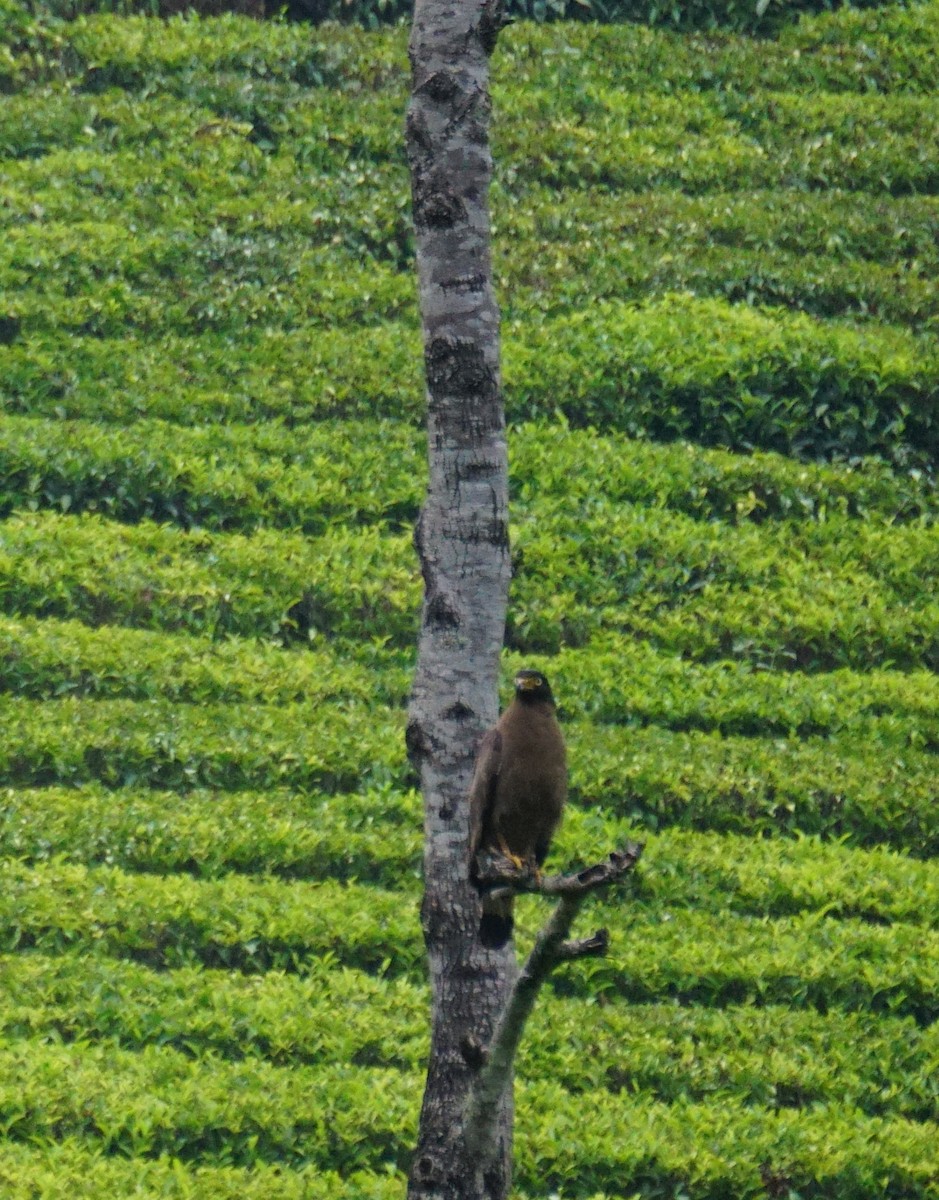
716,257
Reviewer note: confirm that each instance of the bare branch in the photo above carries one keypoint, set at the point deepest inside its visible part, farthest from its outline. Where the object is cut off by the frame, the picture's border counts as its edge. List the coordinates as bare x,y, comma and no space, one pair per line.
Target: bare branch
591,947
497,874
550,949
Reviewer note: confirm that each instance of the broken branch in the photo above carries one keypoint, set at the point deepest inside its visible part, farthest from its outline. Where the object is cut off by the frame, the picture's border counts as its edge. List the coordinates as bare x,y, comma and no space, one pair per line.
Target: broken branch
550,948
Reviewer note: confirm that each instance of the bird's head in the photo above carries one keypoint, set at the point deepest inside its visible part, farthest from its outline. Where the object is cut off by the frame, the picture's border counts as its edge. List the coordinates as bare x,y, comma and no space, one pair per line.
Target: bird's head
532,687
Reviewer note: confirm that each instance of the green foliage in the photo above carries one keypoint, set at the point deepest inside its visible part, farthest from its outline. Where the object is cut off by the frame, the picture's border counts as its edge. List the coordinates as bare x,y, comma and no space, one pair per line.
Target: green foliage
781,595
772,1056
233,477
217,477
237,923
783,246
696,1149
773,381
350,582
71,1168
371,834
180,1108
717,258
160,744
691,14
866,785
551,462
672,952
46,659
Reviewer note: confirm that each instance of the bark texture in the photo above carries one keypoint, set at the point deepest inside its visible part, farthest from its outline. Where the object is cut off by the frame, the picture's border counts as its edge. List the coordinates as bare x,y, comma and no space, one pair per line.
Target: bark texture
462,542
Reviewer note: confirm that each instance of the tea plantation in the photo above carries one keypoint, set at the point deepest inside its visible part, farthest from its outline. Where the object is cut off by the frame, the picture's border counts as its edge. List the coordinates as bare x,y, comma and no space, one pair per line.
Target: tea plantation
718,260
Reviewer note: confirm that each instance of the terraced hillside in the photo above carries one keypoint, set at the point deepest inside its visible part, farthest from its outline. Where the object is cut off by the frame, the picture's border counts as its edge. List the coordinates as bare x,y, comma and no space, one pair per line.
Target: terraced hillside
718,264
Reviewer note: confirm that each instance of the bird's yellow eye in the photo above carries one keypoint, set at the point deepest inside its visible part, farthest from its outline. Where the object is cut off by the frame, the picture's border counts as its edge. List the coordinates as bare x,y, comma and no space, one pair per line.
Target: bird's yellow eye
528,683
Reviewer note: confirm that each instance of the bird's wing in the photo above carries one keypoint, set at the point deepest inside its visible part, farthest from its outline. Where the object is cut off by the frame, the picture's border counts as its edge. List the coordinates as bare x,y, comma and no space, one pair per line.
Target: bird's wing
483,788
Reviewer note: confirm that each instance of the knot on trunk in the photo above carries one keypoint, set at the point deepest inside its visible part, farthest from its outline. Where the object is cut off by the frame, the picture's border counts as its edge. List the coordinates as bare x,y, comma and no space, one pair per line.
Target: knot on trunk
440,87
458,368
441,611
436,205
417,742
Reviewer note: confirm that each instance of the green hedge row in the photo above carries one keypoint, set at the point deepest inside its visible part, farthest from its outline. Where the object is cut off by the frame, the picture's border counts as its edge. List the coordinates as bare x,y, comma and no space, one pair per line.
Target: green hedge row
860,49
329,1014
233,477
339,747
618,680
785,247
156,1102
376,836
874,783
775,380
236,923
200,157
228,477
869,786
818,596
550,460
714,1150
349,583
839,593
74,1169
203,380
299,261
670,224
714,141
613,680
285,273
864,48
659,952
691,15
762,877
806,960
277,50
838,1156
773,1056
258,282
299,267
282,264
47,659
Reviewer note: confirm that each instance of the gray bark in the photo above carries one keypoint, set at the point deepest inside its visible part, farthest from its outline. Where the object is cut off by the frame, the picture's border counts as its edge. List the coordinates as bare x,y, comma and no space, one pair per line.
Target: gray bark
462,543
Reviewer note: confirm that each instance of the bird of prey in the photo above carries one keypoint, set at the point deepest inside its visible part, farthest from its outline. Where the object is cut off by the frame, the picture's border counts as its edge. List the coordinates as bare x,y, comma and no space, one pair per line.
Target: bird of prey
518,792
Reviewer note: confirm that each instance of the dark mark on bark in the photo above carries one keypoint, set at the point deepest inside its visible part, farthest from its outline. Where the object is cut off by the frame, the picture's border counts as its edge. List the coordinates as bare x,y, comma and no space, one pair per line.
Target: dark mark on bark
474,1055
457,368
441,612
465,284
416,742
439,87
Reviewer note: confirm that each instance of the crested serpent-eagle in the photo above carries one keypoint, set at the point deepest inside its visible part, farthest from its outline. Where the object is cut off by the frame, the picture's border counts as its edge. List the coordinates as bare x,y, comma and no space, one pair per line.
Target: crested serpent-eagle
518,792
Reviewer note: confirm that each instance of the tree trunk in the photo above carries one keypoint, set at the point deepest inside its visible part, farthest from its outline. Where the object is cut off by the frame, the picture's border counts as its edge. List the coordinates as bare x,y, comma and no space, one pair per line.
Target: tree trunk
462,542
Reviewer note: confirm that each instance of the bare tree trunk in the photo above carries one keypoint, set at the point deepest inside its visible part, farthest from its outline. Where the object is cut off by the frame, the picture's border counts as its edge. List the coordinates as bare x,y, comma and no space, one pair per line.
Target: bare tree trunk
462,541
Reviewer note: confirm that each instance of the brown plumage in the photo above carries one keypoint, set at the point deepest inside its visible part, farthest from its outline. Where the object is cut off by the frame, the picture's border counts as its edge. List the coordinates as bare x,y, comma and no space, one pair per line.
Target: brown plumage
518,791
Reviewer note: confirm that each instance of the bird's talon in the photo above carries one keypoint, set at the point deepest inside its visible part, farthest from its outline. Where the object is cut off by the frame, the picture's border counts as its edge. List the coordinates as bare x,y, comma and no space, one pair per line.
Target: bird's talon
513,858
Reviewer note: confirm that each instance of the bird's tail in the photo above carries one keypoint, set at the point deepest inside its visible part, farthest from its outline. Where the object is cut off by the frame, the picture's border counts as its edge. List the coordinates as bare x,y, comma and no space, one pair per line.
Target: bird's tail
495,927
